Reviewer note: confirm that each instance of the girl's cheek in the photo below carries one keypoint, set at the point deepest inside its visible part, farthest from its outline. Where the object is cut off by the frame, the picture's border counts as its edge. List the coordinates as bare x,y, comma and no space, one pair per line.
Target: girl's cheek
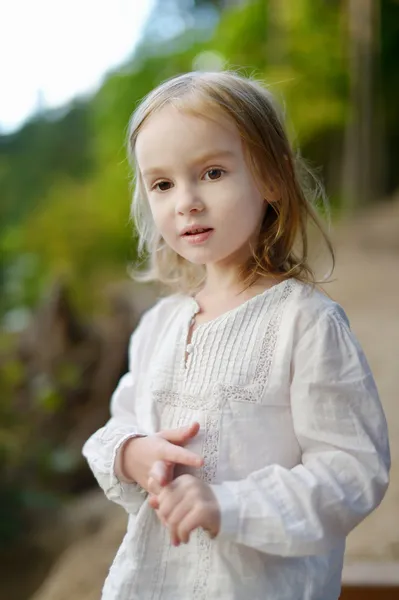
152,208
157,212
164,224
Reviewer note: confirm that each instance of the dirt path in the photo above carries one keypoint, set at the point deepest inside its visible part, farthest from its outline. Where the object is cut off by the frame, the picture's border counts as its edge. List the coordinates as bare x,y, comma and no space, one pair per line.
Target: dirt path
367,285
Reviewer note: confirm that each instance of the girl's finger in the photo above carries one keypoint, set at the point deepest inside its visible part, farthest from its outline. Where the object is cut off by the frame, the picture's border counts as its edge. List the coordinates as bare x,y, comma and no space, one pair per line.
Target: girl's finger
175,517
161,519
174,540
181,435
181,456
187,525
153,486
170,496
153,501
169,472
160,474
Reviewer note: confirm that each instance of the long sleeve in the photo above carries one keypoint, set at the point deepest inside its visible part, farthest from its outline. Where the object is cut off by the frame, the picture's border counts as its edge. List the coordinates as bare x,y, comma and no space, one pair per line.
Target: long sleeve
341,429
101,448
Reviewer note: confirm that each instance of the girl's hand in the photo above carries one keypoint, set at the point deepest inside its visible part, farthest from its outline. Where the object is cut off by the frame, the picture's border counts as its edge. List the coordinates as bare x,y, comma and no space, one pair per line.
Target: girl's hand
161,474
186,504
161,451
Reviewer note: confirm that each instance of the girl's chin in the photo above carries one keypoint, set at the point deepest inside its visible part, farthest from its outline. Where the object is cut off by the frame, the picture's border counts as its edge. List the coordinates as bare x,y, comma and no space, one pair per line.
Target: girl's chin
200,258
194,261
197,257
203,258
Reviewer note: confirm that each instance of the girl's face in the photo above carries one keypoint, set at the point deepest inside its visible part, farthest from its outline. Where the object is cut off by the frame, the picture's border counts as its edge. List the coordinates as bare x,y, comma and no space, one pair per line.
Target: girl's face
196,175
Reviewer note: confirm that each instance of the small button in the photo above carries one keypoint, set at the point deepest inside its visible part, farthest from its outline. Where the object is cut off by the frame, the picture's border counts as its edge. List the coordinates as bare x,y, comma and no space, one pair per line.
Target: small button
189,348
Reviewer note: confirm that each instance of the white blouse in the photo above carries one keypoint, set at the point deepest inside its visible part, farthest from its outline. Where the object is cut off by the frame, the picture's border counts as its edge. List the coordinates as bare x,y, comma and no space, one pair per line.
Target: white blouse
293,436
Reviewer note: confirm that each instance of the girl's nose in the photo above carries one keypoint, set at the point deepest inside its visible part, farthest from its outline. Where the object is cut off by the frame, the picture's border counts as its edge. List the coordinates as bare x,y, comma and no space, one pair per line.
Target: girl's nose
189,201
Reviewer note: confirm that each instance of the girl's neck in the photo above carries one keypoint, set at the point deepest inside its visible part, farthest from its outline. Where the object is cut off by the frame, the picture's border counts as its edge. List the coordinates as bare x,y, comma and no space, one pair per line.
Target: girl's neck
215,301
234,288
222,281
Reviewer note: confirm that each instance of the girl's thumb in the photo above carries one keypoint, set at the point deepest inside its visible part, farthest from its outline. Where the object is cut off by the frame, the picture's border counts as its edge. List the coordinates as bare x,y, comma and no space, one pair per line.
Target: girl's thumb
182,434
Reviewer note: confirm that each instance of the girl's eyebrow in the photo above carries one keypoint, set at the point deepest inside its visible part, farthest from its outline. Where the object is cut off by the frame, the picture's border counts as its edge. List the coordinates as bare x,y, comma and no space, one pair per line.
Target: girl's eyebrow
214,155
199,160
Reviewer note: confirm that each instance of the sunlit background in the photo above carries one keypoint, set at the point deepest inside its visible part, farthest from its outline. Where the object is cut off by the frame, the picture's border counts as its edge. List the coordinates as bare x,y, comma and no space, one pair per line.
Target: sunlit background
51,52
70,75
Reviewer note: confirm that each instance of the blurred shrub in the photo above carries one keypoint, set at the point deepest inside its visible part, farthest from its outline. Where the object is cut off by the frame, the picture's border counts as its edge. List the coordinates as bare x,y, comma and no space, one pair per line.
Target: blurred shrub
65,182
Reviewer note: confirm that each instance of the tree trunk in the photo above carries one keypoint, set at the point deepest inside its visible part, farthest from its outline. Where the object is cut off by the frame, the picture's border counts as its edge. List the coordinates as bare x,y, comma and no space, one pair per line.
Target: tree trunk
362,143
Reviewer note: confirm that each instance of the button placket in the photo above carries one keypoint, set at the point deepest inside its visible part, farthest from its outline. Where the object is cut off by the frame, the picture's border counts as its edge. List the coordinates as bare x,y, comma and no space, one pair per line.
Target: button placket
189,351
188,345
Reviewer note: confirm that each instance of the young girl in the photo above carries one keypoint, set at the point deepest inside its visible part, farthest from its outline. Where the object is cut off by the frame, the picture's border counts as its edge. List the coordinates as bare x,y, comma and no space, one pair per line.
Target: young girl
247,439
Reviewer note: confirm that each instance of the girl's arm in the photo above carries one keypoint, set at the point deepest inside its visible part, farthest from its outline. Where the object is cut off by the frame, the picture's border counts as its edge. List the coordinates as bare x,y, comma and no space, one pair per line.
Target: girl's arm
117,464
341,428
101,449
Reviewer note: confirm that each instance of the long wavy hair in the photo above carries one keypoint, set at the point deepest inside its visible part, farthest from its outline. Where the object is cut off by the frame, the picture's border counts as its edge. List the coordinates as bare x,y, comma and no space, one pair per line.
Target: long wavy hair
282,248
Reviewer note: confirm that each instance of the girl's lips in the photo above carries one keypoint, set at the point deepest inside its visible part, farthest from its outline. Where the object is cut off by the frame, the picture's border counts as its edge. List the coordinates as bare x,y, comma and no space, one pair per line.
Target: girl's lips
198,238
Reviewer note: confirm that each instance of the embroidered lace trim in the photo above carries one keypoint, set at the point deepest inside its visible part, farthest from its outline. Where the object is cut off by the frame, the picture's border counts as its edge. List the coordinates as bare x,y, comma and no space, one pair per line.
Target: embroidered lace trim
254,392
208,474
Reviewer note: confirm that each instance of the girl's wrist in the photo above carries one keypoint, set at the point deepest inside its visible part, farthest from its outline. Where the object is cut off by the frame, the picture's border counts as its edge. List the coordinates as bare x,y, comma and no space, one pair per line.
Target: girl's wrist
123,461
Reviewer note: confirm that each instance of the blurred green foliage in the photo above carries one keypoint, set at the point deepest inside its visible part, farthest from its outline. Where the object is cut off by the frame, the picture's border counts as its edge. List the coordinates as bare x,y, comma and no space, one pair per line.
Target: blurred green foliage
65,181
33,458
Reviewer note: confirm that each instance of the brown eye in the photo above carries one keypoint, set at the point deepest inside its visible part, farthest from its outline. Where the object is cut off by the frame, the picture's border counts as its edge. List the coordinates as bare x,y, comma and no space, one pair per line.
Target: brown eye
214,174
163,186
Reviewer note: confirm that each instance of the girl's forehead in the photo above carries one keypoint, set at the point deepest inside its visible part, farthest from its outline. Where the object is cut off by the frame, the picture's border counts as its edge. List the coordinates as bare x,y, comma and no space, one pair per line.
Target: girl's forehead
174,129
180,112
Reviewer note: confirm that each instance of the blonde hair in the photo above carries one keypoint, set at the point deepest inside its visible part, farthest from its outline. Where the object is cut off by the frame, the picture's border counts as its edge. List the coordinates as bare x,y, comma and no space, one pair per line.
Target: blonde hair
282,249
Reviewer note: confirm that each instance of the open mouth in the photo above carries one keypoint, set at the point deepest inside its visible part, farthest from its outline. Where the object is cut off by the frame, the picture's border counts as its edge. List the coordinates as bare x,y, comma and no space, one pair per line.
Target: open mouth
198,236
197,231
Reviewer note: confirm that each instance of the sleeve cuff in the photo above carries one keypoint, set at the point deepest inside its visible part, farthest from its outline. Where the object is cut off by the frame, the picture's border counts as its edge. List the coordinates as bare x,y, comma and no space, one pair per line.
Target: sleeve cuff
114,481
229,511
